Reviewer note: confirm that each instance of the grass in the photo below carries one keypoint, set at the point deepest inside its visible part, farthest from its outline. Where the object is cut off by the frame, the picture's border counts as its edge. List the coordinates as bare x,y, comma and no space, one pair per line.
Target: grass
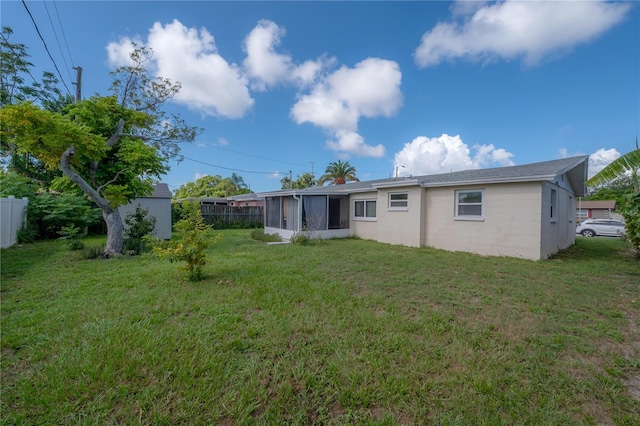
334,332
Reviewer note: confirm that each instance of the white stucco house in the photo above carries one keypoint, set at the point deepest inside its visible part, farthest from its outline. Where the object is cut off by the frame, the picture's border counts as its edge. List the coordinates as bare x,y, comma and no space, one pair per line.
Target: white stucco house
525,211
159,205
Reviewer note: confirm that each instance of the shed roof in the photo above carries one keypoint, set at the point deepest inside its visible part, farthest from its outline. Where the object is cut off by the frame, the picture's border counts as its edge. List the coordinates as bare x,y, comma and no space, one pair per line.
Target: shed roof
160,190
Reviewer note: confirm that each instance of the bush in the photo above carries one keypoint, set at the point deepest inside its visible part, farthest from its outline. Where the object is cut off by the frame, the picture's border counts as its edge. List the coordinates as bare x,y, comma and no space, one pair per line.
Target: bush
49,213
191,244
93,252
300,239
27,234
138,225
259,235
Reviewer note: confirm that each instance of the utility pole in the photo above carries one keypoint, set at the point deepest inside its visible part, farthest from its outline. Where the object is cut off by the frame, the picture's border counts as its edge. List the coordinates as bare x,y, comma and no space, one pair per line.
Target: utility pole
312,173
290,180
78,83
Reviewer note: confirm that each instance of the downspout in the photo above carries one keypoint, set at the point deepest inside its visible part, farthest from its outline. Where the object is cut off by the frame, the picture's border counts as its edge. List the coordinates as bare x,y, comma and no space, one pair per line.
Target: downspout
299,221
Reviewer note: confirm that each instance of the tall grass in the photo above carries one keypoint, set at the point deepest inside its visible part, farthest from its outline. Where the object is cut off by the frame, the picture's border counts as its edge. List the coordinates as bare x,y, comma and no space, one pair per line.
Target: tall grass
335,332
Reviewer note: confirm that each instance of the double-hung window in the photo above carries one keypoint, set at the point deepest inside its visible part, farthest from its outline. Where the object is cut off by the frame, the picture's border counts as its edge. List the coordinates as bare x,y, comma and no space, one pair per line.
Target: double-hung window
399,201
364,209
470,204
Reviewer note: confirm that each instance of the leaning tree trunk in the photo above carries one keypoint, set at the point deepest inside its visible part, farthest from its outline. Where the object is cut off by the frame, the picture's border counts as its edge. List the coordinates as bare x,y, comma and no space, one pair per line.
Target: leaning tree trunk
115,228
115,232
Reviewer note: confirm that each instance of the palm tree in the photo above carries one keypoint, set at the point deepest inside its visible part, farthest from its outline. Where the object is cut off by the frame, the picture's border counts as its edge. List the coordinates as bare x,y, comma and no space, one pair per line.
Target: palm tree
338,173
628,162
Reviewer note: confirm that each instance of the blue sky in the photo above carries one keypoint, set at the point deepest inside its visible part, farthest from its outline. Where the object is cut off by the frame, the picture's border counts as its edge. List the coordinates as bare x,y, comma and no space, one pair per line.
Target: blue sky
424,87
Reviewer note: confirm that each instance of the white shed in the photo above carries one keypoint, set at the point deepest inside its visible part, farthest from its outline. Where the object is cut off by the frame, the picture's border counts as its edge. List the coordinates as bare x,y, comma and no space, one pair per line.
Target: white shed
159,205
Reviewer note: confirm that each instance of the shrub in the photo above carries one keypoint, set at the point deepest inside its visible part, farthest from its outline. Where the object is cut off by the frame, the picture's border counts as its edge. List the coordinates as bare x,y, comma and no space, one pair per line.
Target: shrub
138,225
27,234
72,233
631,214
192,241
93,252
300,239
259,235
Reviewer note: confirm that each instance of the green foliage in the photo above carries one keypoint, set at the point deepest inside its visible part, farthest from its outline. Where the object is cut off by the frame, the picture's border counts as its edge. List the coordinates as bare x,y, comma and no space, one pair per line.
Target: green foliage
138,225
93,252
49,213
631,213
72,233
307,180
259,235
617,190
338,173
14,67
191,244
12,183
27,234
300,239
212,186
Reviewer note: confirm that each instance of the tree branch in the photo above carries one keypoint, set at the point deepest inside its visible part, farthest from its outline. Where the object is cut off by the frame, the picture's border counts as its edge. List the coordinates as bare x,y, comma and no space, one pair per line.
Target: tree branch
65,166
99,189
115,137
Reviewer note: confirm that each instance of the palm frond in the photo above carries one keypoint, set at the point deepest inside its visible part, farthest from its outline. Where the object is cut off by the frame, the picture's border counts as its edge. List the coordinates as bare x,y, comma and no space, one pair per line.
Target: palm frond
628,162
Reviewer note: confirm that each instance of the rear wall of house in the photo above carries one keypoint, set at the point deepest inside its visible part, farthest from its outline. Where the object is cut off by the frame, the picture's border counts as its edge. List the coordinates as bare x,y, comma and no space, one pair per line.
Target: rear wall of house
510,225
558,229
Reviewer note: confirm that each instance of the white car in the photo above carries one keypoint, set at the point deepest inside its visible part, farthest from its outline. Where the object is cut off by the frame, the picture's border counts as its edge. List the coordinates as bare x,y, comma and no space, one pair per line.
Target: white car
604,227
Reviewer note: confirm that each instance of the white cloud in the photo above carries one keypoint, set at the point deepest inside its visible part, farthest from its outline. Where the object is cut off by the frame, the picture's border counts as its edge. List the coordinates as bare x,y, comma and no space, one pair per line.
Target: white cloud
118,53
423,156
267,68
353,143
518,29
222,142
210,84
337,102
600,159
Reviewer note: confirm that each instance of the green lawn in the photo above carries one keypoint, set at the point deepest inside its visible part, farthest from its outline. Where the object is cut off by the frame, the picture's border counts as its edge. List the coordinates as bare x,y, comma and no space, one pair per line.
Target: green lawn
335,332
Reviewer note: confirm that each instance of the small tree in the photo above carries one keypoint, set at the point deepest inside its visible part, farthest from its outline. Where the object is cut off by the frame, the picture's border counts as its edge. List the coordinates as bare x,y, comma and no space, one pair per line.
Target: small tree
193,240
139,225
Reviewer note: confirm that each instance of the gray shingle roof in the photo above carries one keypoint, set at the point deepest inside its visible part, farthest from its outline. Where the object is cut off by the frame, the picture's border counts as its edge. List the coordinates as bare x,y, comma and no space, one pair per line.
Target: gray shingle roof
547,170
160,190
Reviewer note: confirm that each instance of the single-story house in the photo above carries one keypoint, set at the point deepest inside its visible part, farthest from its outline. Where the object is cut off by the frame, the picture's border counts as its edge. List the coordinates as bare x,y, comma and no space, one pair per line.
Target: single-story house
523,211
246,200
599,209
159,205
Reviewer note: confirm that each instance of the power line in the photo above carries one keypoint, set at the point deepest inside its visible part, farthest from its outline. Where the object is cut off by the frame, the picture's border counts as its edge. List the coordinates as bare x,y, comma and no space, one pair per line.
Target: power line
55,34
64,36
227,168
256,156
45,46
17,55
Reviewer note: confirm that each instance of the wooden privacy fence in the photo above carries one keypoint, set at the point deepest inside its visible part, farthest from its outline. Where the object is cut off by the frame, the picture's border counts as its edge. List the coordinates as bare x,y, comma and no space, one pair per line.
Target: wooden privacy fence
13,214
216,214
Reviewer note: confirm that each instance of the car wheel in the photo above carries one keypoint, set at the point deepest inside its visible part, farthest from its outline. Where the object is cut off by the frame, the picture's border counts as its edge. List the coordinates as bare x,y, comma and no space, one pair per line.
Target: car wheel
588,233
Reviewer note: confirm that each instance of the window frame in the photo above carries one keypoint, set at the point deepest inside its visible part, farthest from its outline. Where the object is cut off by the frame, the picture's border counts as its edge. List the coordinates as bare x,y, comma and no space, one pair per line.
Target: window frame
365,211
398,208
553,205
457,203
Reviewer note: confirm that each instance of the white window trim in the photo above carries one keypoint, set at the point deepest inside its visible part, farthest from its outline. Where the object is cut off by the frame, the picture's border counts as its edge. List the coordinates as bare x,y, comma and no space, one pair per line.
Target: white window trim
478,218
365,218
398,209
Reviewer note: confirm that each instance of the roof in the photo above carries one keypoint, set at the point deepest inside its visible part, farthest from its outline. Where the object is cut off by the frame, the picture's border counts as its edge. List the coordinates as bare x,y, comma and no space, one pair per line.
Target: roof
160,190
574,167
597,204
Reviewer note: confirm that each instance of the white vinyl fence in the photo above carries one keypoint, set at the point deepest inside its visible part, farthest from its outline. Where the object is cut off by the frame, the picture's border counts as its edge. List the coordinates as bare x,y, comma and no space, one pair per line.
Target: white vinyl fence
13,214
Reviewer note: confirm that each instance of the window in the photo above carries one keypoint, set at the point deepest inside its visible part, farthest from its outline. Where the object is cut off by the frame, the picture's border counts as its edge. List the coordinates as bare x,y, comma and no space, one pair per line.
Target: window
399,201
552,202
365,209
469,204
